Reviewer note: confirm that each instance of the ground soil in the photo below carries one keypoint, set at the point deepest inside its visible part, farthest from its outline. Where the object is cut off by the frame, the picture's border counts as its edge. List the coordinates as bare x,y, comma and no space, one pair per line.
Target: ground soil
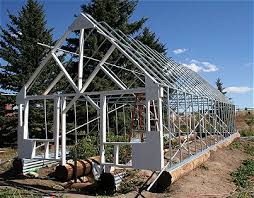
212,179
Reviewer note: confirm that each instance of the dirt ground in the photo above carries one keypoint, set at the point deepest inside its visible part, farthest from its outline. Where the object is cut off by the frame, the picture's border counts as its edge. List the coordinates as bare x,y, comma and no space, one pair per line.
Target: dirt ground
212,179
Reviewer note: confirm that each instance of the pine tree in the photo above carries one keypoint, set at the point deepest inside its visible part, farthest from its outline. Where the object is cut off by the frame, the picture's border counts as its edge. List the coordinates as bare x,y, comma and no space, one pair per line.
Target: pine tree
116,13
149,38
220,87
19,48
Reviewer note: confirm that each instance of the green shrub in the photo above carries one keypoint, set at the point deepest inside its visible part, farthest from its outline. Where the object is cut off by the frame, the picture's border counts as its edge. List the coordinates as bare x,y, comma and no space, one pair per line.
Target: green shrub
124,150
89,147
86,147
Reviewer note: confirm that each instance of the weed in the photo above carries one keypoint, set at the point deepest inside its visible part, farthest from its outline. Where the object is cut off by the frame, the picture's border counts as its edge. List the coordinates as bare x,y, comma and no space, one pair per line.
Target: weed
246,133
203,166
249,149
15,193
130,183
236,145
244,195
242,174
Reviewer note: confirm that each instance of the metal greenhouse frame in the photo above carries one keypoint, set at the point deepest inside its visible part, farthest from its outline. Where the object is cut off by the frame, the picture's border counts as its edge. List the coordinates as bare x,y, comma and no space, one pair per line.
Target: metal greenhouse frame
175,113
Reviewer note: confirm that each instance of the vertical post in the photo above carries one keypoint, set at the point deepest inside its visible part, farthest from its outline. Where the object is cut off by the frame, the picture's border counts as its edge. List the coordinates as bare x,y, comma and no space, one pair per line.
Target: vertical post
98,121
199,123
63,160
124,122
179,127
46,147
169,127
194,123
20,128
116,120
148,115
230,118
108,120
186,122
56,125
209,122
75,122
25,124
215,120
220,121
234,118
222,118
87,119
116,154
160,125
76,142
204,119
81,53
103,118
45,119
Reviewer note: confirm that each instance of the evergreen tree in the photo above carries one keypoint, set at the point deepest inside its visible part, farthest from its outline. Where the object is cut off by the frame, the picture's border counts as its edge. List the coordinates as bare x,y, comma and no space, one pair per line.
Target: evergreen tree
116,13
149,38
19,48
220,87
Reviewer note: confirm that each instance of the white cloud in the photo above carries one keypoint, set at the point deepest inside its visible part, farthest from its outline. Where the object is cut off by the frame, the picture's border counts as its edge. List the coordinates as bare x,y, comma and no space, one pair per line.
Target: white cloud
194,67
239,89
179,50
198,66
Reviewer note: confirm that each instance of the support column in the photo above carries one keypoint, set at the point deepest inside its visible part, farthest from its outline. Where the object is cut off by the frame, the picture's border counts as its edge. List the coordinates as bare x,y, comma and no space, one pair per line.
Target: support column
160,119
25,124
170,125
20,128
103,125
148,115
56,125
63,152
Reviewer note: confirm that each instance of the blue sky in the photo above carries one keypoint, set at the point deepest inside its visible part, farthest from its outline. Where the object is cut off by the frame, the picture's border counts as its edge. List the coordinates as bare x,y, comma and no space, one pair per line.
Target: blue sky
214,38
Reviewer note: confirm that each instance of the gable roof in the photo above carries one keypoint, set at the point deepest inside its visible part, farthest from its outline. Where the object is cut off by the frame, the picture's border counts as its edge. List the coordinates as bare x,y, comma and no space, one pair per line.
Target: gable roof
145,62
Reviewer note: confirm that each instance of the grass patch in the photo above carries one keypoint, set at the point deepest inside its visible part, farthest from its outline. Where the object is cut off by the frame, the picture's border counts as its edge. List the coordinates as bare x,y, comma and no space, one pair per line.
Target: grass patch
16,193
249,149
236,144
243,173
246,133
245,146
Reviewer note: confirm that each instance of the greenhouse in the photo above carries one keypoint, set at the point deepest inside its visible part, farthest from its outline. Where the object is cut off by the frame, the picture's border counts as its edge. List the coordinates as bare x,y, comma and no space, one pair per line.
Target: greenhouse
160,112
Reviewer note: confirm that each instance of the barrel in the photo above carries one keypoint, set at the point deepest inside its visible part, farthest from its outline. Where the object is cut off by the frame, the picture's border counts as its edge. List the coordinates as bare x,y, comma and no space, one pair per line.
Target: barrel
84,167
